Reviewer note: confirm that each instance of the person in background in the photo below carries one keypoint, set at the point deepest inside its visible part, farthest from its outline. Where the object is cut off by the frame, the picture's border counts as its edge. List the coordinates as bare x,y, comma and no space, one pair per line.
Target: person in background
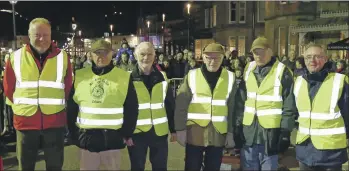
178,67
238,74
191,65
102,110
291,61
167,68
248,59
124,62
161,59
341,66
124,48
299,67
88,62
37,82
131,65
156,113
322,103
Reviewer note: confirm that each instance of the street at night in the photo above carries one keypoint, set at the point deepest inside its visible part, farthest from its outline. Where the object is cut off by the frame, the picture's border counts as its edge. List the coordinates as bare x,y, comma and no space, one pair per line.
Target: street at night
174,85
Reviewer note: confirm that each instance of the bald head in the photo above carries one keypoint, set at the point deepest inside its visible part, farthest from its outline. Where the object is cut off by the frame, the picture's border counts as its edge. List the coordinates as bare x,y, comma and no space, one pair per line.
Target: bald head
145,55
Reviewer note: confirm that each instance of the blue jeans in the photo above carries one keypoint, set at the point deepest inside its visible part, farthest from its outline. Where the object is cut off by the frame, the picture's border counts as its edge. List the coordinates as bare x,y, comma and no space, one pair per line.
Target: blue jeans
254,158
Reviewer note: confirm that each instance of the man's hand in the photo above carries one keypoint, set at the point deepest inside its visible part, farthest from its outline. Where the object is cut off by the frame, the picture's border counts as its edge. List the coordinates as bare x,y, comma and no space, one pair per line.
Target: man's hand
284,141
173,137
129,142
182,137
229,140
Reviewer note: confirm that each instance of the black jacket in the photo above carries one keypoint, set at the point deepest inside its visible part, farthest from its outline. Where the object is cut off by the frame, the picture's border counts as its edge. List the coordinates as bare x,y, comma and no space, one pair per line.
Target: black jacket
306,152
149,81
96,140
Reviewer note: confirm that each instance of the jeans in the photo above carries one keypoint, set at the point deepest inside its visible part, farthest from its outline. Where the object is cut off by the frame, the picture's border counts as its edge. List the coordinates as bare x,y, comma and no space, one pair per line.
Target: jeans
304,167
254,158
194,155
158,151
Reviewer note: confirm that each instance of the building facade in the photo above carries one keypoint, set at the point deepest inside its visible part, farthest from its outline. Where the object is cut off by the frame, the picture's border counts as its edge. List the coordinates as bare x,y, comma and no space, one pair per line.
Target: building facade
292,25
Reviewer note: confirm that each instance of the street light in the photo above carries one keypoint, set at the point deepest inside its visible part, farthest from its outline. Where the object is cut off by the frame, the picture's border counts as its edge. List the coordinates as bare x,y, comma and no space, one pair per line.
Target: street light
13,3
163,17
79,33
148,23
188,6
111,35
74,26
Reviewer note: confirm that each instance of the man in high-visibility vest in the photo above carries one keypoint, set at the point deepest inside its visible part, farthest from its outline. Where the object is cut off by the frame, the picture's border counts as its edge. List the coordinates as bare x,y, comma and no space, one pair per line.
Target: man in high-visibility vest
204,111
266,109
102,110
37,81
156,112
323,106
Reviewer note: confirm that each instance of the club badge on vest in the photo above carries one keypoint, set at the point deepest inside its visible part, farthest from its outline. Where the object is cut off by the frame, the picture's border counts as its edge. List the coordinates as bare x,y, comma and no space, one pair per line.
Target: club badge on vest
97,89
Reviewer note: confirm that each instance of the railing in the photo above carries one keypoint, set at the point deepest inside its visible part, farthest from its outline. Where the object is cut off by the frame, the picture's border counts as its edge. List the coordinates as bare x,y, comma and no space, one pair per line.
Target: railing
175,83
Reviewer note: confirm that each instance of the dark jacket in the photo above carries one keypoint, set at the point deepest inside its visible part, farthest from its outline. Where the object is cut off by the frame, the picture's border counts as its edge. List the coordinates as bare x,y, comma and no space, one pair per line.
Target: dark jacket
306,152
97,140
177,69
150,81
255,133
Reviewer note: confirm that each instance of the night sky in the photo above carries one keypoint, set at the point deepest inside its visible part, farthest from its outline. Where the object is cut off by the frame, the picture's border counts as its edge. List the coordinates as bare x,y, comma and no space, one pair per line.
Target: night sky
90,16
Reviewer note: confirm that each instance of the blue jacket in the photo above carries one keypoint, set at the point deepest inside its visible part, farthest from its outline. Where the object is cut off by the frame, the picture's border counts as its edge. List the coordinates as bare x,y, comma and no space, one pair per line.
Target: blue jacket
306,152
127,50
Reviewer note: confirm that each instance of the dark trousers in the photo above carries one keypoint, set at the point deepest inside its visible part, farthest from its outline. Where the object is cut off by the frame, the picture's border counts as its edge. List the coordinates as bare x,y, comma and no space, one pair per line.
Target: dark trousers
304,167
157,154
29,142
194,155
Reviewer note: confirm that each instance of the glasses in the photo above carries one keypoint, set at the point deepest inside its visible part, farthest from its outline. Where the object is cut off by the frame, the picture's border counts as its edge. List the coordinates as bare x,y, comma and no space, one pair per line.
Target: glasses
311,57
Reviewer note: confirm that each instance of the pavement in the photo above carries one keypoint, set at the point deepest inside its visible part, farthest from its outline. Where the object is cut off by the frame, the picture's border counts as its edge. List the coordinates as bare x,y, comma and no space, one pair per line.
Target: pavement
175,159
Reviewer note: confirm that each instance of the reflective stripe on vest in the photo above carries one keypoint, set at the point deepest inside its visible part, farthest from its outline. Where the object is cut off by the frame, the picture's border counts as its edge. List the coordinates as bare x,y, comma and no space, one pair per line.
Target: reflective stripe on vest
264,101
205,107
321,119
152,108
100,98
38,88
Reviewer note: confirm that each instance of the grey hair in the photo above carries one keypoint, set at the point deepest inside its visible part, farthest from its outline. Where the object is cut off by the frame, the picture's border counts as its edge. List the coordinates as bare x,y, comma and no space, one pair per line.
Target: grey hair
143,44
311,45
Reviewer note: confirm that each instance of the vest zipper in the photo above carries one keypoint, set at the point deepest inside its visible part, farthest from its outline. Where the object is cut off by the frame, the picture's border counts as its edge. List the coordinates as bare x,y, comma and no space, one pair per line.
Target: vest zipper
39,109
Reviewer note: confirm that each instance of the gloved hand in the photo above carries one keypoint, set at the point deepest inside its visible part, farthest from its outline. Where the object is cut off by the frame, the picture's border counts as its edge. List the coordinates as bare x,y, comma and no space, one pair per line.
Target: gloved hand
229,140
284,141
182,137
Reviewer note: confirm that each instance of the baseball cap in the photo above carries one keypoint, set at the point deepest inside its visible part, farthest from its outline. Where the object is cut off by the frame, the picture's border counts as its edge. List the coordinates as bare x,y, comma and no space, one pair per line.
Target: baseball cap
100,44
214,47
260,42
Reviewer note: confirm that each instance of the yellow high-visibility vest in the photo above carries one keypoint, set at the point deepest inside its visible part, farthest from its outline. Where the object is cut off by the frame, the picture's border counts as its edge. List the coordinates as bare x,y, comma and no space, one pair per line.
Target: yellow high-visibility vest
100,98
152,110
36,88
264,101
206,107
321,119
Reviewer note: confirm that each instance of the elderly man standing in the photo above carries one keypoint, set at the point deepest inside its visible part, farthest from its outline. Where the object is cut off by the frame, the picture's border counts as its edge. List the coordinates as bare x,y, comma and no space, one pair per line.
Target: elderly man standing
323,106
102,110
37,80
204,111
265,108
156,112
